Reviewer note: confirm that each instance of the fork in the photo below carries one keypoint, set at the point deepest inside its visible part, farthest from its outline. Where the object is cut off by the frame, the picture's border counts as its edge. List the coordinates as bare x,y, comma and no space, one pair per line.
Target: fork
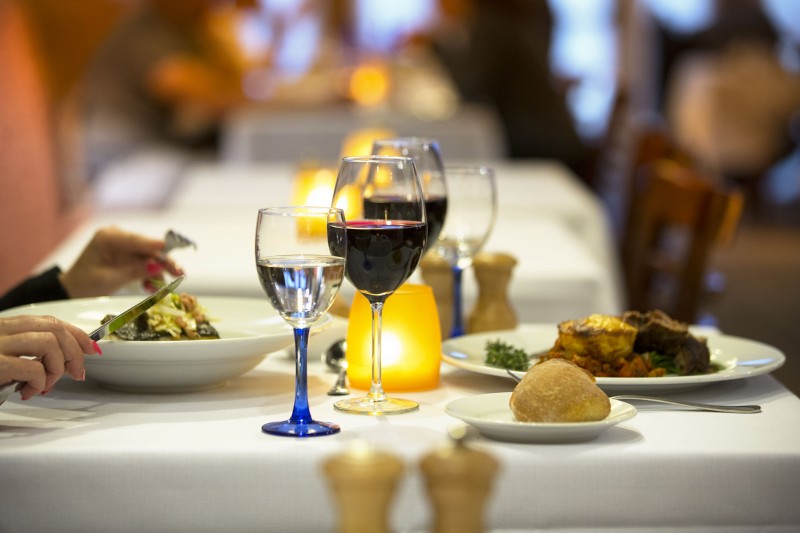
175,240
716,408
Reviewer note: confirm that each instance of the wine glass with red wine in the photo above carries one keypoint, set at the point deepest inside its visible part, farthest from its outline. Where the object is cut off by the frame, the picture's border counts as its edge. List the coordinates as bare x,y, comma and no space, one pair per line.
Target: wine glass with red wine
386,230
471,213
301,276
430,169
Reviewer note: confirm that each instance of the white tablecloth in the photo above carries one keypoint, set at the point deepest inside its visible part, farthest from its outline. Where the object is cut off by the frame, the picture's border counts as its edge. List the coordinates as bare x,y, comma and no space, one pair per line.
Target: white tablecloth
87,459
258,134
552,223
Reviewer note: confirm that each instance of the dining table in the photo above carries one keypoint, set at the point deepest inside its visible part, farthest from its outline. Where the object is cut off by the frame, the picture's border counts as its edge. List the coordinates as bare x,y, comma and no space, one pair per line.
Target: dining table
555,226
87,458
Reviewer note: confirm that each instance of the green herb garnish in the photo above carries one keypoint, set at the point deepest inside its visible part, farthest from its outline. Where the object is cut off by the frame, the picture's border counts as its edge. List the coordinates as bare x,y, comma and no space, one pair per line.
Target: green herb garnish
503,355
659,360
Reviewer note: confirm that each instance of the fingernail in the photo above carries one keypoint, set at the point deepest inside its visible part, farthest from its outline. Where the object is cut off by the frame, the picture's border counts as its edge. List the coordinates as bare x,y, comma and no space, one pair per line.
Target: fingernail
97,349
83,375
153,268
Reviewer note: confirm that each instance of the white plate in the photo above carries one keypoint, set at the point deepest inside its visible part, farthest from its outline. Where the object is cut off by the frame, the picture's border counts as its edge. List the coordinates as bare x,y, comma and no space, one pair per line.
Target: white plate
491,415
740,358
249,330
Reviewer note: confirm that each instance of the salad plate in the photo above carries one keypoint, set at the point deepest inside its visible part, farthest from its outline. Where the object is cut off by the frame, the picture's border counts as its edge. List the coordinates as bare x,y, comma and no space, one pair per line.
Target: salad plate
249,329
737,358
493,418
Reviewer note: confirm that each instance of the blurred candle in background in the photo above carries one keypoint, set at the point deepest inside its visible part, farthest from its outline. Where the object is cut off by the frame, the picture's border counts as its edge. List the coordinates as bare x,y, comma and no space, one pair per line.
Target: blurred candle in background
412,341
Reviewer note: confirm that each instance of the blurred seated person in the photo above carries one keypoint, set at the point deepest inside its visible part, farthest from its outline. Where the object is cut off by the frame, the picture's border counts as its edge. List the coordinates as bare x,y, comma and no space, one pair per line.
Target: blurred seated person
163,79
728,98
112,259
497,52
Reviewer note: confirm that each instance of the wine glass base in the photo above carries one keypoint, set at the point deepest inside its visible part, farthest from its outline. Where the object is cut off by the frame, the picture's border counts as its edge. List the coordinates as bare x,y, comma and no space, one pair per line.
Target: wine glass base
287,428
368,406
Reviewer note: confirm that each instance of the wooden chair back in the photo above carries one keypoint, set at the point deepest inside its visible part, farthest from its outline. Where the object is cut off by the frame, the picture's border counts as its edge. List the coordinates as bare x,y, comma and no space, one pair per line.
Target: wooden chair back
676,222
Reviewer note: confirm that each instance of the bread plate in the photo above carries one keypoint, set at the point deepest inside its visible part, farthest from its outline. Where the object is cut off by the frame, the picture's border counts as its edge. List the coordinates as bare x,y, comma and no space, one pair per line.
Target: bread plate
492,417
737,357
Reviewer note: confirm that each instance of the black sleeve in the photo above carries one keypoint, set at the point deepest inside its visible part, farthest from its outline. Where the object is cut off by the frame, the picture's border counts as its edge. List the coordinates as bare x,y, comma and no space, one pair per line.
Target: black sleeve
41,288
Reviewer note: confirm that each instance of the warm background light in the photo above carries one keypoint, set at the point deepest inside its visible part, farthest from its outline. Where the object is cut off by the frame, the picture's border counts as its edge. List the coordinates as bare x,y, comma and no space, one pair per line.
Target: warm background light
370,84
412,342
314,185
359,143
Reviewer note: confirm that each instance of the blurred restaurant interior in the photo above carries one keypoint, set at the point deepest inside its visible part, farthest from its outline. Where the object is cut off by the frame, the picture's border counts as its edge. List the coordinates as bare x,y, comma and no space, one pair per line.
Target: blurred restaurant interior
106,103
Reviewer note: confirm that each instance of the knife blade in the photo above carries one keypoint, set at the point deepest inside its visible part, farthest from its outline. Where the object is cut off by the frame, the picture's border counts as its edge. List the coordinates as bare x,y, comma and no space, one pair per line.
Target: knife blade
112,325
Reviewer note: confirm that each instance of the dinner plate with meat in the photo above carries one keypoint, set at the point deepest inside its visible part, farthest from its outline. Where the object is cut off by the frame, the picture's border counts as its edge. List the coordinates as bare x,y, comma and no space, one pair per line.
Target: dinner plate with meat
631,352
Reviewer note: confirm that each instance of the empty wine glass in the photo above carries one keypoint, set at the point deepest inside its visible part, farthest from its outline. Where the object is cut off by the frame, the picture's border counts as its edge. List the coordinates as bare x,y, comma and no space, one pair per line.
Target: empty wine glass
301,277
386,230
472,208
430,169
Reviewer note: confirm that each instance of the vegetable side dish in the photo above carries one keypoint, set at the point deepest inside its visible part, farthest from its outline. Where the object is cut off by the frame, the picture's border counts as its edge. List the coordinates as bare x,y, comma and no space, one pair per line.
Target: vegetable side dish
175,317
635,344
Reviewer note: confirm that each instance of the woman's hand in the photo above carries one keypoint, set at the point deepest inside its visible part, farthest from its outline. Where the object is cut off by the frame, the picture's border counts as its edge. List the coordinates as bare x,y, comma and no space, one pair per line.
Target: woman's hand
114,258
55,346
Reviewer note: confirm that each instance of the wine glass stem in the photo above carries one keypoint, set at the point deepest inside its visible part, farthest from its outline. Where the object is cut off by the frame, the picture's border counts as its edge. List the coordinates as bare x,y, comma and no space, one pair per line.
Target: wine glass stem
376,393
301,413
457,329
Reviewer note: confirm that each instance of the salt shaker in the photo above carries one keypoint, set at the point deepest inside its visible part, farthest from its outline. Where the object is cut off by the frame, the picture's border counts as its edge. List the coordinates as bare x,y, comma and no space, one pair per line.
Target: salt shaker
459,481
438,273
493,310
363,483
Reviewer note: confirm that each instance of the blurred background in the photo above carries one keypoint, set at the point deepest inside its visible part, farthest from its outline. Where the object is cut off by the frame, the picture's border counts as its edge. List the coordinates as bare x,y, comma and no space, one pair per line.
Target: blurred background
105,102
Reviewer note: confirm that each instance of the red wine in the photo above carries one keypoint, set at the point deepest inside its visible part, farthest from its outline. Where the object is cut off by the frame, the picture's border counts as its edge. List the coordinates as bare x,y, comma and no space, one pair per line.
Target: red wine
393,208
381,254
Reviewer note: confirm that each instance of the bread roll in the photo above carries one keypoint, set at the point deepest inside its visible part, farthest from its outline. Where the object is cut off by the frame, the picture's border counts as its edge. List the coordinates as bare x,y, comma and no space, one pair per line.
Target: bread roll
558,390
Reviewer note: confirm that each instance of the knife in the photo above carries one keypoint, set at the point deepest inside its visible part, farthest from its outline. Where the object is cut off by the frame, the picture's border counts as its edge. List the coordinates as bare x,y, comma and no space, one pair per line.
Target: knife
112,325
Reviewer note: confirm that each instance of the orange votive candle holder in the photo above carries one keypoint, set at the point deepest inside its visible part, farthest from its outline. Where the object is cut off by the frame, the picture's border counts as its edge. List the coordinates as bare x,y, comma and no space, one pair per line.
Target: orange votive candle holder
411,341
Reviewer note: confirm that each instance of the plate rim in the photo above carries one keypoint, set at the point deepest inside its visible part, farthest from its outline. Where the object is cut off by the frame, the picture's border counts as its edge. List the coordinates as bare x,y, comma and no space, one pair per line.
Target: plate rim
142,351
729,374
539,431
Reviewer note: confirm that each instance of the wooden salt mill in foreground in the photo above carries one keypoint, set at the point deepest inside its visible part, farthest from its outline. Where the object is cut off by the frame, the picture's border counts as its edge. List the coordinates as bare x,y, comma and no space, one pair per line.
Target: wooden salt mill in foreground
363,483
459,482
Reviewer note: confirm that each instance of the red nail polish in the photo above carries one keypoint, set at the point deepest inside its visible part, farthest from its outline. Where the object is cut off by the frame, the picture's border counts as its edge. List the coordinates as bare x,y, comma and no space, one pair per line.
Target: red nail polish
154,269
97,349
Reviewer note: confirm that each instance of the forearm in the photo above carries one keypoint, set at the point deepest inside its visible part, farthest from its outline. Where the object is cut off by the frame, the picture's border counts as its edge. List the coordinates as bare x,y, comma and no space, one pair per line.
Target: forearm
40,288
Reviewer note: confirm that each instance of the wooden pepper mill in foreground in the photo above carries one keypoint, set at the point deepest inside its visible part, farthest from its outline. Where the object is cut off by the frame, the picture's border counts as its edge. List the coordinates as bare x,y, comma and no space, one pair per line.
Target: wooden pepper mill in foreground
493,309
363,483
459,481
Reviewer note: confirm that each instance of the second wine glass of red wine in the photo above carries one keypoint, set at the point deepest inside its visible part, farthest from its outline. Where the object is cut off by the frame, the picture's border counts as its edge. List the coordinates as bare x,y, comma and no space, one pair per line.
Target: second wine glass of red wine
430,169
385,235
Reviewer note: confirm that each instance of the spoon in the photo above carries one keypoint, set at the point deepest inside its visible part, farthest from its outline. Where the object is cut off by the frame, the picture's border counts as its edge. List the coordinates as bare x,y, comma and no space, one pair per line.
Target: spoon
334,357
743,409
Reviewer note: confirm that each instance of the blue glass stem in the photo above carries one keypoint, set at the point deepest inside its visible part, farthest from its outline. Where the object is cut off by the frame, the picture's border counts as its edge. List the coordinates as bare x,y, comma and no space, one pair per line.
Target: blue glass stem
457,328
301,413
